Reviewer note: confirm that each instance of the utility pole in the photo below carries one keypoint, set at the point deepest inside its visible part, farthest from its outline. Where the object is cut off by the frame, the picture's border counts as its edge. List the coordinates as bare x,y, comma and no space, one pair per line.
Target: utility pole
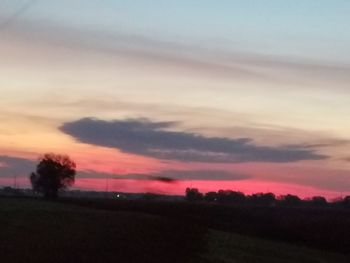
107,185
15,181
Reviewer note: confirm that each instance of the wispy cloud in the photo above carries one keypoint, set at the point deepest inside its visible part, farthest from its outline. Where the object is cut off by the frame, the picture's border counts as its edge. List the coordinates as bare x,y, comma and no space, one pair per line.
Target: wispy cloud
172,175
14,16
317,176
189,58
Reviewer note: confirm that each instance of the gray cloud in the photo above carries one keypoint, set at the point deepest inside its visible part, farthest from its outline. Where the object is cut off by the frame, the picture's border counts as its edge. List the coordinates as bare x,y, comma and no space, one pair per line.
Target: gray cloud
323,143
172,175
10,166
13,17
155,139
216,175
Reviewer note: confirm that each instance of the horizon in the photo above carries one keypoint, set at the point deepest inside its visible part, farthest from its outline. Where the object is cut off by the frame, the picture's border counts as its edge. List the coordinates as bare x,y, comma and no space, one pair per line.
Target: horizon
16,190
240,95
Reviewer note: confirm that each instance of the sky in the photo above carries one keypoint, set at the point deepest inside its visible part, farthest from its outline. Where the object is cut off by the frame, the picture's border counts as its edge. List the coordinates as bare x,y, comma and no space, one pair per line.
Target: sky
247,95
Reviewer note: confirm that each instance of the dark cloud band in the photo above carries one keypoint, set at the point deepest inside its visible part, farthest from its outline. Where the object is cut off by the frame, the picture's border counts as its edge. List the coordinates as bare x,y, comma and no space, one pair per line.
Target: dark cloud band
173,175
11,166
154,139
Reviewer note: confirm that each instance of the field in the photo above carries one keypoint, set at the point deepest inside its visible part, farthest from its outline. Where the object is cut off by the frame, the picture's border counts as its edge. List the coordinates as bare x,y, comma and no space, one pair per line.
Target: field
39,231
317,227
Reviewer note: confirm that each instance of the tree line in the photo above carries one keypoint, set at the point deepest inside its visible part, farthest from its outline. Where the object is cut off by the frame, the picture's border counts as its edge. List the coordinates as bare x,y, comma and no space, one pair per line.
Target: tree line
262,199
55,172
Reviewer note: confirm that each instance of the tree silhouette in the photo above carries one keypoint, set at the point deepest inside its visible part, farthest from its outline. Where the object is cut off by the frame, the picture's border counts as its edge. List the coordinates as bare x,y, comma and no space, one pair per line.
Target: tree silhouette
346,201
192,194
54,172
230,197
319,201
290,200
264,199
211,197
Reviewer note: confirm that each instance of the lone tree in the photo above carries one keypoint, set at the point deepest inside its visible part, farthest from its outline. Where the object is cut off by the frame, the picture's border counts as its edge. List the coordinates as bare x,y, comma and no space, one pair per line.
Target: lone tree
54,172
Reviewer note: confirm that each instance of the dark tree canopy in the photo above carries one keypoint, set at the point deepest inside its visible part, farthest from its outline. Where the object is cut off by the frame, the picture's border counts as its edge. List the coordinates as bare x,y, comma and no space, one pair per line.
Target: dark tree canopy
192,194
290,200
211,197
266,199
228,196
319,201
54,172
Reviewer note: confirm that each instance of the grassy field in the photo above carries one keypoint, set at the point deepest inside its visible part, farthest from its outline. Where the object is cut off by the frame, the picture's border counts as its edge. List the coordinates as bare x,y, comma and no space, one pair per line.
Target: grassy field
318,227
232,248
39,231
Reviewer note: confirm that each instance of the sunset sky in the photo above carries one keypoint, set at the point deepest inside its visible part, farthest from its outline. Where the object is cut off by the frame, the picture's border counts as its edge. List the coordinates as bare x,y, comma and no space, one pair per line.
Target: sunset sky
245,95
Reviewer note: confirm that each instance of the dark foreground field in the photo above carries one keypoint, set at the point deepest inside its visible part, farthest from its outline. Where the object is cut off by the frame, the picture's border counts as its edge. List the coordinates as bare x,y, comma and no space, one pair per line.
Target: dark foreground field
39,231
321,228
